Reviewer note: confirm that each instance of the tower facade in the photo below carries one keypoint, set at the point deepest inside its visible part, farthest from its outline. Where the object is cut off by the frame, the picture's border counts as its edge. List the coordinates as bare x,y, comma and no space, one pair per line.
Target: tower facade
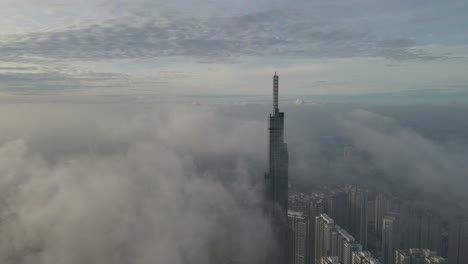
276,179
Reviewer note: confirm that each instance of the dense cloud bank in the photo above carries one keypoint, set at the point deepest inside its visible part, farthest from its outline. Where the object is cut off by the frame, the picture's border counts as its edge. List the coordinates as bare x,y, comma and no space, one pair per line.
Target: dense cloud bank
121,185
181,184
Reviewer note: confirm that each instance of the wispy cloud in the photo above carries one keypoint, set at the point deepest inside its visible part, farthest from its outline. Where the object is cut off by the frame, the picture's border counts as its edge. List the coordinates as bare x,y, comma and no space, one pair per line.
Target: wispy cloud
284,33
128,36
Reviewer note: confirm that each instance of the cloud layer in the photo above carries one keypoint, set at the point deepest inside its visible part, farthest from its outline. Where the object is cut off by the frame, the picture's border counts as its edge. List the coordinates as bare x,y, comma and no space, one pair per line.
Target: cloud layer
182,184
273,32
140,188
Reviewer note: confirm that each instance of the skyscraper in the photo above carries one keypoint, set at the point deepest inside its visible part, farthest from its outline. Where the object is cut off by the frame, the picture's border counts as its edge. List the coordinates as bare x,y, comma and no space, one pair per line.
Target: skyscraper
276,179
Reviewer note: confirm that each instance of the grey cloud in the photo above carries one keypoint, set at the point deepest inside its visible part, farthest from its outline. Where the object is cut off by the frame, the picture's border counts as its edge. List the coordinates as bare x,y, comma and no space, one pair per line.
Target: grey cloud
179,184
43,83
69,79
19,68
396,43
259,34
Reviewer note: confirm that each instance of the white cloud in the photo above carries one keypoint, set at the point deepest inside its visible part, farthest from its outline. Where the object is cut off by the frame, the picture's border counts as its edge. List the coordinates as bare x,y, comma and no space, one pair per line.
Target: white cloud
134,187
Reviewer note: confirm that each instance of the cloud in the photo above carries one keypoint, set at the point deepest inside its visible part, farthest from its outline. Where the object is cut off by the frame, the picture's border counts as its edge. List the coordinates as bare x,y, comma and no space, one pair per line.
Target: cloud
124,183
133,187
275,32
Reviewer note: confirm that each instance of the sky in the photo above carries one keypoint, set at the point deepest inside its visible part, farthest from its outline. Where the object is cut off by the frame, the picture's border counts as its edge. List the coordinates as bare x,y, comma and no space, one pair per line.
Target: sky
153,51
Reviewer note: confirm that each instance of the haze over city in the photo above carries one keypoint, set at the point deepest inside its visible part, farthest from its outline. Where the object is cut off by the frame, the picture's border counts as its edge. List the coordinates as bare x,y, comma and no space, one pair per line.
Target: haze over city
214,131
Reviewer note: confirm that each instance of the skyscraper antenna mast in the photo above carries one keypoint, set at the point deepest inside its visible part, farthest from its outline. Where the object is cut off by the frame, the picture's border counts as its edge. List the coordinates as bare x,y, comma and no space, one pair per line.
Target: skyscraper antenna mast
275,93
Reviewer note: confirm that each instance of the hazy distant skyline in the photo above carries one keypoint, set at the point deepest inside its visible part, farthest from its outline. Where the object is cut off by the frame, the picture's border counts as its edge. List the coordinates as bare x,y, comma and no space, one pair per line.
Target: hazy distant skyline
107,51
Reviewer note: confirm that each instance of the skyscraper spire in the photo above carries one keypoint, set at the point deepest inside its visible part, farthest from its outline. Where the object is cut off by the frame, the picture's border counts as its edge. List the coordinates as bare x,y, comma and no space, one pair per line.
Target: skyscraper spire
275,93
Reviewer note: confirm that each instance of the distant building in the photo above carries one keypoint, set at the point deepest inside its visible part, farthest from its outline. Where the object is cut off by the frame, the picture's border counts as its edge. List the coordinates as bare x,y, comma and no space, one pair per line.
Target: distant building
357,223
417,256
371,216
424,228
379,212
418,227
390,238
458,241
411,256
336,208
364,257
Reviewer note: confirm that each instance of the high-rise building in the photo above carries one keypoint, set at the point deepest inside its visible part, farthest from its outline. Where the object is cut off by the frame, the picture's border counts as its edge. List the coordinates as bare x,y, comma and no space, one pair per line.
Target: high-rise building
324,227
380,212
276,180
364,257
331,240
344,246
315,208
330,260
357,214
299,226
